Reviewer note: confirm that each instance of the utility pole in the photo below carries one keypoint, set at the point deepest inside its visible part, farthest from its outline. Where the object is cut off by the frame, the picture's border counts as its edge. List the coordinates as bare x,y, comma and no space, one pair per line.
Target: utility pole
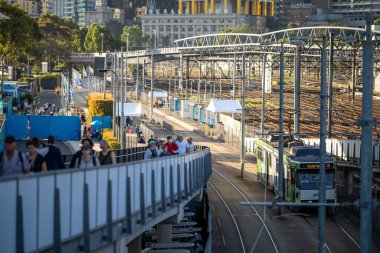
138,79
126,69
114,94
322,155
152,80
297,90
263,96
122,134
234,78
331,77
281,133
242,123
199,83
366,202
105,76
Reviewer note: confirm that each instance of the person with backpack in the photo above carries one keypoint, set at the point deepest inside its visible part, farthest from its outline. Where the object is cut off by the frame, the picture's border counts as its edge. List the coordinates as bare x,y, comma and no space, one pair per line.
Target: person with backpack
53,158
152,152
87,159
12,161
79,153
106,156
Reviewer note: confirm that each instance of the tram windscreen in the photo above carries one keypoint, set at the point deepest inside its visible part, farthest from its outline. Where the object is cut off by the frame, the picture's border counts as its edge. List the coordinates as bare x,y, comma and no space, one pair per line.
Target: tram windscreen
309,179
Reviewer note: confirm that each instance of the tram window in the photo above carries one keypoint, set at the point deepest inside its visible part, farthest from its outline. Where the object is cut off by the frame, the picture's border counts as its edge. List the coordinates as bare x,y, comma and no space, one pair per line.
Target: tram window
260,154
309,180
270,160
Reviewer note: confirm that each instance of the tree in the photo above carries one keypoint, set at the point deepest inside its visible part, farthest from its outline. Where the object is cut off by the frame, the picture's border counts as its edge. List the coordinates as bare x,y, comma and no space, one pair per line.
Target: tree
59,38
376,21
166,41
292,25
115,28
92,42
237,29
17,34
135,37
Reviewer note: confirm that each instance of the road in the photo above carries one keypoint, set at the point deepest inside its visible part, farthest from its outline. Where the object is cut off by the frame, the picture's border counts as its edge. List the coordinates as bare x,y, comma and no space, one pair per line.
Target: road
247,229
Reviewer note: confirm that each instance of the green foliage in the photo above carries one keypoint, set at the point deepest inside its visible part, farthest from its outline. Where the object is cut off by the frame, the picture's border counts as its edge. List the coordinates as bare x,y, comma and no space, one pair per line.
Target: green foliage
17,34
292,25
93,39
237,29
97,106
48,76
115,28
133,34
376,21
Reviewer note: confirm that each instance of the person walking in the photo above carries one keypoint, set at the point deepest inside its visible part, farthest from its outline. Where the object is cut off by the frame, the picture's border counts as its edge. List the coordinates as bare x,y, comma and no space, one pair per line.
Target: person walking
36,161
12,161
152,151
87,159
182,144
53,158
190,145
165,152
106,156
79,153
172,147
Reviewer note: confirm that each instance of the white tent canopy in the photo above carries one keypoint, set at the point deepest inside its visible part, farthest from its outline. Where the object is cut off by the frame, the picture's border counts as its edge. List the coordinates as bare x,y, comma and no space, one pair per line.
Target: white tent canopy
158,94
130,109
227,106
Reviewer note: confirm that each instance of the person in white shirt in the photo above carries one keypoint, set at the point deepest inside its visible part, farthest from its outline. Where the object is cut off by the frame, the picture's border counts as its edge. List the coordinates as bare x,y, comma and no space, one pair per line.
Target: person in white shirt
190,145
182,145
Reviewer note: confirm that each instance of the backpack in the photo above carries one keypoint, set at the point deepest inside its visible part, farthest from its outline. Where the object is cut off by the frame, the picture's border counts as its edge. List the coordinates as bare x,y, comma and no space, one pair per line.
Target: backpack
93,161
20,158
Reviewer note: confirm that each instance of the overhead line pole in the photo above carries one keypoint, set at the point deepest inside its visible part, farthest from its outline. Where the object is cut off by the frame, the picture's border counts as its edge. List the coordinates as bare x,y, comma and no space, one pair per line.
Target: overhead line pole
366,202
242,123
122,134
322,154
281,133
330,93
263,95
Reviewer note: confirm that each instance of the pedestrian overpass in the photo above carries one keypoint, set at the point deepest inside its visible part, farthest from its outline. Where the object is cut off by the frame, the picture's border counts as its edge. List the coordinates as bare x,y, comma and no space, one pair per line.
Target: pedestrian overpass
104,208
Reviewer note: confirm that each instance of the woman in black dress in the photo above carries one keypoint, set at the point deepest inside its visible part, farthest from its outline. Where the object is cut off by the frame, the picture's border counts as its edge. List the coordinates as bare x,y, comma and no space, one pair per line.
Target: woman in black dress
36,161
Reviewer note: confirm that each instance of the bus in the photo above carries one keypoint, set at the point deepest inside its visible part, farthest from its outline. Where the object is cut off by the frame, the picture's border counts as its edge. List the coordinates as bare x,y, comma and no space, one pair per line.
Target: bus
301,170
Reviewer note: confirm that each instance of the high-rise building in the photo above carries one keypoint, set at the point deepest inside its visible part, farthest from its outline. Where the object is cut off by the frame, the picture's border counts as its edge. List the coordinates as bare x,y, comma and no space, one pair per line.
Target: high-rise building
31,7
354,12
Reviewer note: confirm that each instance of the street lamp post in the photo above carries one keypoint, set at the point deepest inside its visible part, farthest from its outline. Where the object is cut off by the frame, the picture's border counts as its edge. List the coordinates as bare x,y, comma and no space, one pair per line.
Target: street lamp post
152,76
126,66
102,34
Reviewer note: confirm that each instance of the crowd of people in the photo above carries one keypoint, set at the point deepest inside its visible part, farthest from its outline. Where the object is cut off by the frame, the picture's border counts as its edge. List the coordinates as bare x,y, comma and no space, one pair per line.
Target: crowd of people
167,147
41,157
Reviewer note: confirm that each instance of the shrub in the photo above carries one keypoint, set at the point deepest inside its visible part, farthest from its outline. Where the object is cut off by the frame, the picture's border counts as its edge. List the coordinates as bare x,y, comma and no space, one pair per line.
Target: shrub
112,141
28,97
97,106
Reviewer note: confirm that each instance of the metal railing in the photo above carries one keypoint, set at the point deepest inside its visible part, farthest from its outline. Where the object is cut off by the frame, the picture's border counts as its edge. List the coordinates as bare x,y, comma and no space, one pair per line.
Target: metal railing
65,210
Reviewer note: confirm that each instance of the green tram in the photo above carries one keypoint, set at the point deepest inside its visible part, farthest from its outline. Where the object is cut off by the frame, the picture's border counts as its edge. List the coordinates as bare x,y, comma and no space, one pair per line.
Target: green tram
301,170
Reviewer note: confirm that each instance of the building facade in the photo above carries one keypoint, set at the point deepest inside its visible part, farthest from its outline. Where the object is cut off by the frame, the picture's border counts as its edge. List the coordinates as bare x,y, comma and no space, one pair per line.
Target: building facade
102,14
354,12
176,26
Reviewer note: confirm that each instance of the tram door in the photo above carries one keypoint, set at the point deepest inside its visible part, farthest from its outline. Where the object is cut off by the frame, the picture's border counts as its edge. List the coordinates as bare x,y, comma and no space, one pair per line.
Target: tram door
287,182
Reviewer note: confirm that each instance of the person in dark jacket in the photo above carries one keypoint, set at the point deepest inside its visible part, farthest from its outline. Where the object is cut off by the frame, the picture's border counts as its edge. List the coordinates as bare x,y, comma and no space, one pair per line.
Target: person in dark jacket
79,152
53,158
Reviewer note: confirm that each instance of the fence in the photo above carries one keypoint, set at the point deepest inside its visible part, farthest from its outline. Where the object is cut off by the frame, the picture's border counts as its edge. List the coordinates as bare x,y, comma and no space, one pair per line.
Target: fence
347,150
43,126
56,210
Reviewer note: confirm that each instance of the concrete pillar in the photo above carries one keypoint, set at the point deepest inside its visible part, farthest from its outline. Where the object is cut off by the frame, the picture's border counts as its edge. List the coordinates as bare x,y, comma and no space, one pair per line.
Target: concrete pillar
180,7
212,6
135,245
164,233
272,8
206,7
188,7
265,8
246,7
258,8
225,6
254,7
238,6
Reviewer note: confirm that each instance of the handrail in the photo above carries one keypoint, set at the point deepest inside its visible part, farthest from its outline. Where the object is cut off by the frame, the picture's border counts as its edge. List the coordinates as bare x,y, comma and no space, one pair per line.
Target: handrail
51,211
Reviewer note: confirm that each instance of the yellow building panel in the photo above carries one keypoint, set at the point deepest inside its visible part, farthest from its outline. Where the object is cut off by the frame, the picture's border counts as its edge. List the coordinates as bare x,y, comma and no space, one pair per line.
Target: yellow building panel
180,7
238,6
206,7
265,8
246,7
